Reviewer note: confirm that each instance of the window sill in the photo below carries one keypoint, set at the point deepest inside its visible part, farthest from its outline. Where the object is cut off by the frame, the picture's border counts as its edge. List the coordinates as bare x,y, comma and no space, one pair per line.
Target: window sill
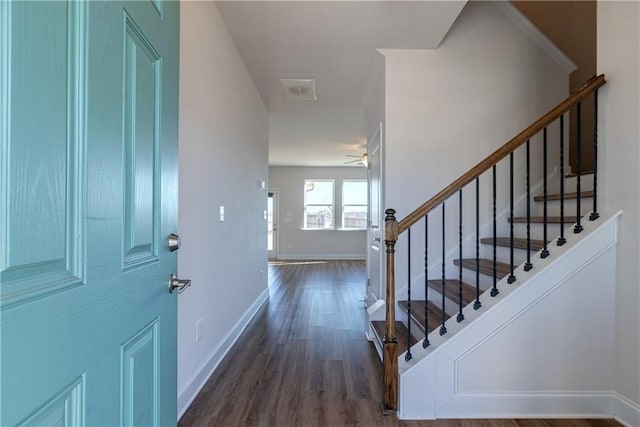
333,229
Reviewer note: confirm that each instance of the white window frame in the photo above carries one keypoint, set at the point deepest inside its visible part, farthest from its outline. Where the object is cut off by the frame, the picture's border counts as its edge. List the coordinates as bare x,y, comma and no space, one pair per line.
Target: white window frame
344,227
332,205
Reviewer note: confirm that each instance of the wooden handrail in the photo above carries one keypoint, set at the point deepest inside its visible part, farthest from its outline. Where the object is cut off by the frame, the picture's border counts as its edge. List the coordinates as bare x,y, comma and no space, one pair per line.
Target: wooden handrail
502,152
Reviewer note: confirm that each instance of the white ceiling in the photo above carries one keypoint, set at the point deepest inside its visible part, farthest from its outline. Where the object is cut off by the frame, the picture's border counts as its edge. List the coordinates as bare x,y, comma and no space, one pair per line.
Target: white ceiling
333,42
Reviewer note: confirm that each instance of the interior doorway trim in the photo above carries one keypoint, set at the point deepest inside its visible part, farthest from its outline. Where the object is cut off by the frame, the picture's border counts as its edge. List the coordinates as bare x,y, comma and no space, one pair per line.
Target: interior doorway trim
273,193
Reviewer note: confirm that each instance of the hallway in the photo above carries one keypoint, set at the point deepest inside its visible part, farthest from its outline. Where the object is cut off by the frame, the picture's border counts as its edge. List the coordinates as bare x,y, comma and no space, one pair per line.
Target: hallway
304,360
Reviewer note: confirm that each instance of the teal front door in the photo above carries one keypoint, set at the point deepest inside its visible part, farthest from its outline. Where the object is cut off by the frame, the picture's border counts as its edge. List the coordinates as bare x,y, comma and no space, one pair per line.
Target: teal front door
88,196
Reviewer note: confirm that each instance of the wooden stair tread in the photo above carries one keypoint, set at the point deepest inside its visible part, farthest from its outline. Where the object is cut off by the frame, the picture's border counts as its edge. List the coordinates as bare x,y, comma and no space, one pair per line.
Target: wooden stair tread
451,290
518,243
486,266
568,219
401,334
573,174
417,313
572,195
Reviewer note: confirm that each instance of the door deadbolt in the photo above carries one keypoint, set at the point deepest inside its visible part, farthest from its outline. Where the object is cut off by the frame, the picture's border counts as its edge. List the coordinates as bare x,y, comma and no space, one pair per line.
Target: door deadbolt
173,242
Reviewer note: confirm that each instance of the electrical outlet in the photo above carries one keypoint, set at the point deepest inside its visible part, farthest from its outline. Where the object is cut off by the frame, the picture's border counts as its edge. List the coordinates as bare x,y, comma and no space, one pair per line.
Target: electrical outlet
199,330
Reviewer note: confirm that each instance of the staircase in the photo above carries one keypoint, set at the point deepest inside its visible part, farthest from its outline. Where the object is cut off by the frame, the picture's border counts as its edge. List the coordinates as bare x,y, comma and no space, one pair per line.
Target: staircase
445,283
415,309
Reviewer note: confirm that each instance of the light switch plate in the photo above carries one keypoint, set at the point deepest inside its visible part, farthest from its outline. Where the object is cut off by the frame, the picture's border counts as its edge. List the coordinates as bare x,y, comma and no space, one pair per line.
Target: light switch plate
221,213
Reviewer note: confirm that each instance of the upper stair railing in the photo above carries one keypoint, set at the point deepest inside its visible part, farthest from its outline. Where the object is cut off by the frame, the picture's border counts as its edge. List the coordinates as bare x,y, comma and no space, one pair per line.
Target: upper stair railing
490,267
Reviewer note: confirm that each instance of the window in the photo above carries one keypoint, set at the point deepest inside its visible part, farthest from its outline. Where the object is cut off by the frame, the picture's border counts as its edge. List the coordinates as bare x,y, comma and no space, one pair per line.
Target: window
354,204
318,203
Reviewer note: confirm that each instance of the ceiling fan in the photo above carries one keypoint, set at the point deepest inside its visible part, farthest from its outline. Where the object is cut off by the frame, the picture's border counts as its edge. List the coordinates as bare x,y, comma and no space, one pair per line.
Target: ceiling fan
362,160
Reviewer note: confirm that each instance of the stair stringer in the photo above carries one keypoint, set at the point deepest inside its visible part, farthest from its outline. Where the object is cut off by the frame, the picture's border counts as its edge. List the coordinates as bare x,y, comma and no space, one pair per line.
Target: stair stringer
540,350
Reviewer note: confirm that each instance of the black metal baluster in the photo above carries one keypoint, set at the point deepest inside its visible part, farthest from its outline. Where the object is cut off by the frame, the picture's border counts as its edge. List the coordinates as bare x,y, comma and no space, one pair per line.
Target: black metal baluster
594,214
425,342
561,239
443,329
511,278
578,228
494,290
408,356
477,304
528,266
460,317
545,250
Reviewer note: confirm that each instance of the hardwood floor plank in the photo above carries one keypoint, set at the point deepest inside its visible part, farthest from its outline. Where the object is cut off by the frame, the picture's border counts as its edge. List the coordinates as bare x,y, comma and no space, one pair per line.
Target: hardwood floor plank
452,289
486,266
417,313
571,195
518,243
401,335
568,219
304,361
573,174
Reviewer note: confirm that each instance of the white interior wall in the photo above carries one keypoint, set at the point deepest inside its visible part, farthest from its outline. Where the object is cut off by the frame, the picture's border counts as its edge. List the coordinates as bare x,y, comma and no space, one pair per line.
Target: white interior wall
223,155
619,130
296,243
447,109
374,95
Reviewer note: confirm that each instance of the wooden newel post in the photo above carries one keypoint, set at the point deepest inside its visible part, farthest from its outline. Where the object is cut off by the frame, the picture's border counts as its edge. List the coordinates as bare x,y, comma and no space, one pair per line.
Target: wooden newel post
390,402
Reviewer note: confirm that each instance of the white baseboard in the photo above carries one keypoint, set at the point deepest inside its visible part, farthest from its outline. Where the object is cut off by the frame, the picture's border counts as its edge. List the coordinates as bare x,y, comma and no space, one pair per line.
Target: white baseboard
539,405
195,384
321,257
626,412
551,405
536,405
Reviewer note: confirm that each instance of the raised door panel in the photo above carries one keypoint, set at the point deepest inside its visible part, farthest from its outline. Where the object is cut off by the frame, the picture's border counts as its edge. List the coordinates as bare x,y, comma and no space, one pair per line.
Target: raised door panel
40,147
142,123
65,408
139,382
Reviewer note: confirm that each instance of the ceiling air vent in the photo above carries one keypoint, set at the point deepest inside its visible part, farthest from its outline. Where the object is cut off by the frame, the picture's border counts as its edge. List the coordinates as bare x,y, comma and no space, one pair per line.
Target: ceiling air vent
299,89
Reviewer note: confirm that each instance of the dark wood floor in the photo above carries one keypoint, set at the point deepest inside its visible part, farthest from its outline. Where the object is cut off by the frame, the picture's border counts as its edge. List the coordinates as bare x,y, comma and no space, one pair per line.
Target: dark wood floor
304,361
